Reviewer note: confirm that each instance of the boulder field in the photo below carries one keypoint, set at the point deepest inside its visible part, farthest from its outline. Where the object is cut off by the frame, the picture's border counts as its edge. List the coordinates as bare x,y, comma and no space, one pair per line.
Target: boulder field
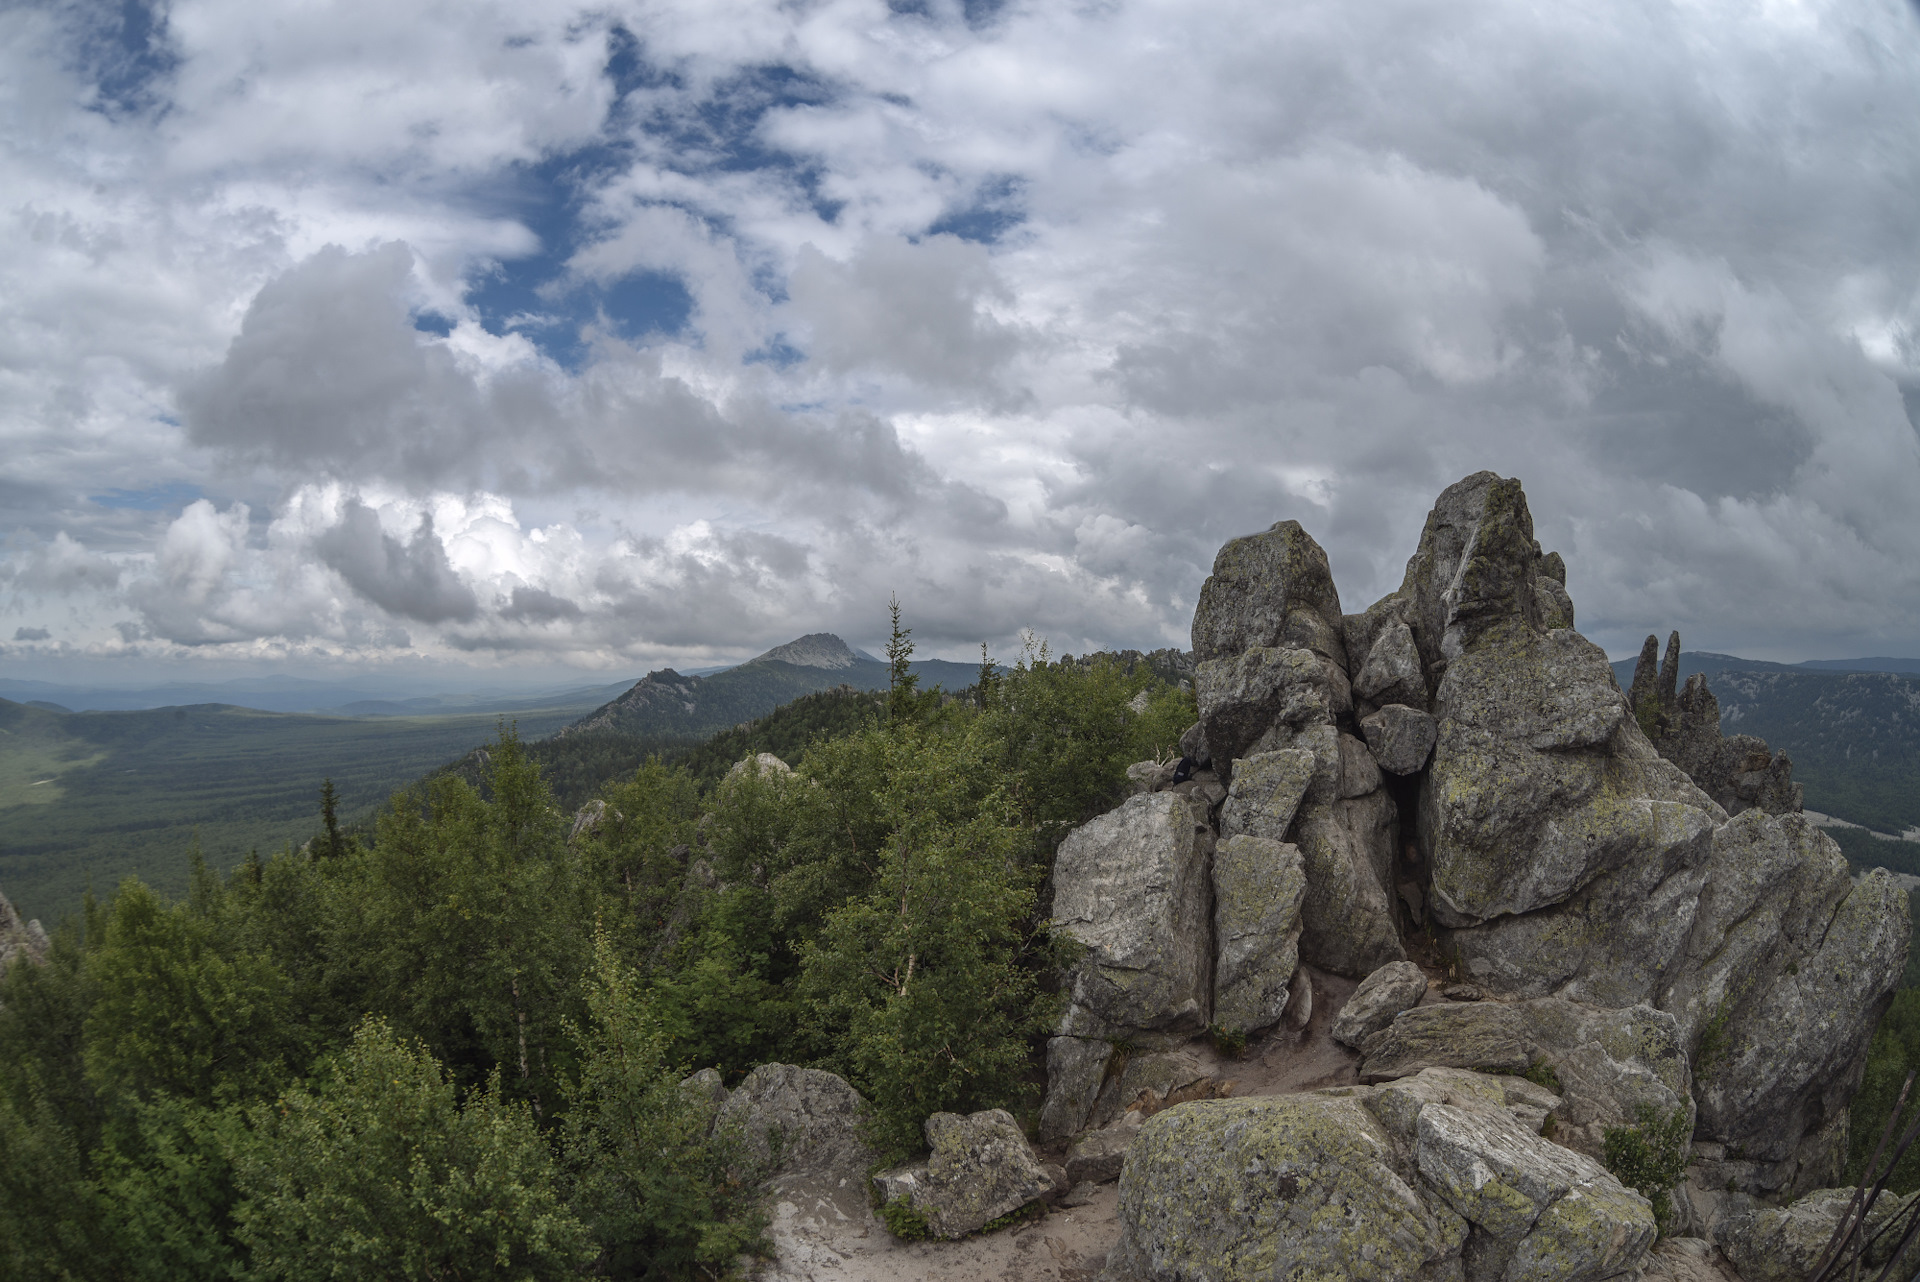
1449,791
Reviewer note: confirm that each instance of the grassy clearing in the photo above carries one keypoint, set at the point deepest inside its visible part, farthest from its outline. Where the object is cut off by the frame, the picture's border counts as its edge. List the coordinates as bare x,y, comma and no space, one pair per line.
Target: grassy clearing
34,753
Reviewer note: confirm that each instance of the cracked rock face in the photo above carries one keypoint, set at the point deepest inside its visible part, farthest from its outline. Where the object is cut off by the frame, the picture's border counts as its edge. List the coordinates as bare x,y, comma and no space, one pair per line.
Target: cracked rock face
1439,1176
816,1115
1257,888
1133,886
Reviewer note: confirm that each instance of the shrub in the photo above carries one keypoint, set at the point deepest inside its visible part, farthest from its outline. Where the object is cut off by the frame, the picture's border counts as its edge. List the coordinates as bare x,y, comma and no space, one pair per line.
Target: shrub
1650,1156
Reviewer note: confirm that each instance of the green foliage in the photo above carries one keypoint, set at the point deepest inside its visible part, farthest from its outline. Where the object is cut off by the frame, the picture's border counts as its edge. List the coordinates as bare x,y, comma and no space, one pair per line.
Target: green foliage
903,1221
1894,1051
1231,1042
918,983
662,1197
1650,1156
1712,1048
177,1011
382,1172
1541,1073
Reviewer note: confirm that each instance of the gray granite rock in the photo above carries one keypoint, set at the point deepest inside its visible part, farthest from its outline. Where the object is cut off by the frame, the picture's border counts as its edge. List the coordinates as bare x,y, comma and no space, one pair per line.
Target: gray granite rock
1381,996
1267,789
20,940
814,1114
1392,672
1076,1068
1269,589
1258,885
1243,696
1401,738
1348,920
1132,886
980,1168
1478,1035
1098,1156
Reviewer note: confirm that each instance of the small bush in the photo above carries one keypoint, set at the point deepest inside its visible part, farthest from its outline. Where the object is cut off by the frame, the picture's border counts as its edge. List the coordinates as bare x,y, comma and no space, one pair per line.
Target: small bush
1231,1042
903,1221
1650,1156
1541,1073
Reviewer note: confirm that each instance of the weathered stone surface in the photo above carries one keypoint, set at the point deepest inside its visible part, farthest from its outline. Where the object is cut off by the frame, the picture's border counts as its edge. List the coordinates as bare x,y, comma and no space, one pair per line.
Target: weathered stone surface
1359,772
1401,738
1541,781
1300,1186
1788,966
1475,569
1392,672
1299,1000
1269,589
1266,792
1132,886
816,1115
1258,885
1783,1243
1347,920
1147,1080
1076,1066
902,1183
1686,1259
980,1168
1243,696
707,1087
19,940
1554,606
1611,1062
1151,776
1480,1035
1381,996
1098,1156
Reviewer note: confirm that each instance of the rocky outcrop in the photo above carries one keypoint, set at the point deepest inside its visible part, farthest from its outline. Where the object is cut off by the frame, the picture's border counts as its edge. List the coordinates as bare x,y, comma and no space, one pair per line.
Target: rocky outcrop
1438,1176
809,1118
20,940
1739,771
1132,886
980,1168
1782,1244
1457,760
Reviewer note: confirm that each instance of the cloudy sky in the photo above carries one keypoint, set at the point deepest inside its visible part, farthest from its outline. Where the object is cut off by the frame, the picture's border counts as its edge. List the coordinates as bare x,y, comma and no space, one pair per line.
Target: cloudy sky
533,336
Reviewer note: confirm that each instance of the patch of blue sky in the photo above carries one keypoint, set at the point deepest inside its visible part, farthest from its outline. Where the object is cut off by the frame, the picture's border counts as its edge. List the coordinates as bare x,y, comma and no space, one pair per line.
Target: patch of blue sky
779,353
122,47
995,210
157,498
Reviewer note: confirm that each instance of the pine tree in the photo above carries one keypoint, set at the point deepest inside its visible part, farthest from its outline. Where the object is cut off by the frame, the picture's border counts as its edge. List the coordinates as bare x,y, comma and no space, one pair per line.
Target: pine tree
900,677
336,845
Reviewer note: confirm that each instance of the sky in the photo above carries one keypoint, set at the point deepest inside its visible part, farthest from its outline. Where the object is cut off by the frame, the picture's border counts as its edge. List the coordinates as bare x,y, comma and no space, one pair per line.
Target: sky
423,337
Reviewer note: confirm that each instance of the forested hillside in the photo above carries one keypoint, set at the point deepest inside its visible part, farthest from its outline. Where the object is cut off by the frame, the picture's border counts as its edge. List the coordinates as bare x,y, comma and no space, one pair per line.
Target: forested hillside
452,1048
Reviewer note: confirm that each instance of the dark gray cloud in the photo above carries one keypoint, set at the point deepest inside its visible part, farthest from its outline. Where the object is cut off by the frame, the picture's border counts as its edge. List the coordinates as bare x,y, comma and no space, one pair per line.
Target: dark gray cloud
411,580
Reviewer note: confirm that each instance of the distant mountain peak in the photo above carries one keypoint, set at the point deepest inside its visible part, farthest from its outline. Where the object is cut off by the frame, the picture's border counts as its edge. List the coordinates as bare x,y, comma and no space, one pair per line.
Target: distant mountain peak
816,650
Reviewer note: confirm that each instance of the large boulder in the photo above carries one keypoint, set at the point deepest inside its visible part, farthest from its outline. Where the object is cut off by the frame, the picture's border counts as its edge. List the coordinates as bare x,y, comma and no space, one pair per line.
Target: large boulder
1132,887
1245,699
980,1168
1293,1186
1609,1063
1348,922
1269,589
1258,884
1401,738
1266,792
808,1118
1437,1176
1076,1069
1783,1243
1788,965
1541,782
1381,996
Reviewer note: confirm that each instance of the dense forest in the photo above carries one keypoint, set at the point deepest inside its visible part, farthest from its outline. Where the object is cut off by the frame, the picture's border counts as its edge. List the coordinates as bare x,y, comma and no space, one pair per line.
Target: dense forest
450,1046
